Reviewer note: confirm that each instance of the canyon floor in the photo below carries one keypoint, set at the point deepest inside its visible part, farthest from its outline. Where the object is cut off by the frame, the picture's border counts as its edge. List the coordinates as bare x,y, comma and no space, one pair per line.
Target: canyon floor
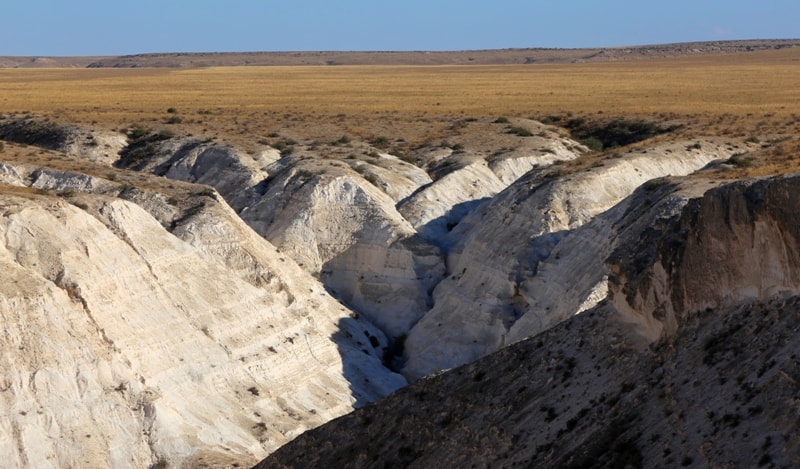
564,252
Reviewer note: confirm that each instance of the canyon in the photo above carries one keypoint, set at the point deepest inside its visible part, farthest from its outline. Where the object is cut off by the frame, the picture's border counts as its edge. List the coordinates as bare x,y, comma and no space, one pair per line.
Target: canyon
398,289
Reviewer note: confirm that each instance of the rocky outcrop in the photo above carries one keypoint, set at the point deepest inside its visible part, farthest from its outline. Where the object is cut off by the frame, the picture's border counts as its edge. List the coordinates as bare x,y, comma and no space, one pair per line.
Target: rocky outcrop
115,328
737,243
493,263
573,278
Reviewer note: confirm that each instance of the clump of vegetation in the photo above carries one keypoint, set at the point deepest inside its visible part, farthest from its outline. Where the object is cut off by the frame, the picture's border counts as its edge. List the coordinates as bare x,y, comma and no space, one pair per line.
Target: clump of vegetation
380,142
520,132
138,131
373,179
592,143
613,134
285,146
144,145
741,160
551,120
501,120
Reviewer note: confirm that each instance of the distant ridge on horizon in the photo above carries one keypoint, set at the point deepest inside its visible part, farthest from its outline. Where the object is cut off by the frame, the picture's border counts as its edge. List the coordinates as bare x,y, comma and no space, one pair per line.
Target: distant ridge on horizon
531,55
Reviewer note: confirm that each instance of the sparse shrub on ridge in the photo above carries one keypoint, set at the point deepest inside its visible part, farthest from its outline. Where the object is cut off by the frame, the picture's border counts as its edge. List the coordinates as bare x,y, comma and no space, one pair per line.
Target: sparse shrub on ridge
741,160
551,120
616,133
520,132
592,143
138,131
380,142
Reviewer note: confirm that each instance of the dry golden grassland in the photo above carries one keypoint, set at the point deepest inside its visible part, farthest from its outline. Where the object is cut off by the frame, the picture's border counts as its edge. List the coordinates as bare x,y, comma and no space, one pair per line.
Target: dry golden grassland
744,94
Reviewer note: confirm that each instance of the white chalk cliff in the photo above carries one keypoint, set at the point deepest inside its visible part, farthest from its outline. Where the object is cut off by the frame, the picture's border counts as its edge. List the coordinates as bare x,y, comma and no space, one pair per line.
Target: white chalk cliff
494,293
125,345
199,305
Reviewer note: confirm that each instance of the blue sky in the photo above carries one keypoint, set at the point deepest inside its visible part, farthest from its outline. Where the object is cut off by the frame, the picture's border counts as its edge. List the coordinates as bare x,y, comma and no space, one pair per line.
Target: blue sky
112,27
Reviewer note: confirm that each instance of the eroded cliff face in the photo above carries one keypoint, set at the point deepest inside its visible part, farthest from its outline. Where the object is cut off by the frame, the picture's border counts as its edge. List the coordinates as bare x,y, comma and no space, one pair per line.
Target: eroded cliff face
370,228
734,244
126,344
494,292
709,281
275,297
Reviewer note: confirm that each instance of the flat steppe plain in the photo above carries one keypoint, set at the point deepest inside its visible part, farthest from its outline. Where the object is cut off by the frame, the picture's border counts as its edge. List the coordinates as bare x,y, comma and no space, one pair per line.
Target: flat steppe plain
726,89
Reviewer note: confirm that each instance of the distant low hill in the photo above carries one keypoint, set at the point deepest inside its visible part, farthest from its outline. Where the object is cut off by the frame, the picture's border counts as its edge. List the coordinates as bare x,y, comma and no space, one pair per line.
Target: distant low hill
473,57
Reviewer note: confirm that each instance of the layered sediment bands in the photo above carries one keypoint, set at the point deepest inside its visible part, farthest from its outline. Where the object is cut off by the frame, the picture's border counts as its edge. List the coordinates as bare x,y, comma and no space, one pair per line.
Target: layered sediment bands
346,230
734,244
114,330
496,251
714,277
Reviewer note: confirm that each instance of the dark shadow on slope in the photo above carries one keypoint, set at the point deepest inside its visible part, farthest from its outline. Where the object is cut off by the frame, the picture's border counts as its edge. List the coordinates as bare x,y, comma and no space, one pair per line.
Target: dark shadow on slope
362,347
34,131
436,231
393,296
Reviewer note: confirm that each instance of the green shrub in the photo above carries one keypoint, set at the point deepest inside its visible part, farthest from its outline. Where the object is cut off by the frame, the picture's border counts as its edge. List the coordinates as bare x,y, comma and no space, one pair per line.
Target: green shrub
138,131
617,133
520,131
741,160
380,142
593,143
551,120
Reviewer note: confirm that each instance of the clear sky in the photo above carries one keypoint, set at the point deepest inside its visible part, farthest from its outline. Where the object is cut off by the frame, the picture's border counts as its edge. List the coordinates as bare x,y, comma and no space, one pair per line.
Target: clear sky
115,27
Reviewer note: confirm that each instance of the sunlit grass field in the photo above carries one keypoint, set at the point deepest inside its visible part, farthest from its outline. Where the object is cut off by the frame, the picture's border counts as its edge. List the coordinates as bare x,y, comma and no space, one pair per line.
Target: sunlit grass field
741,84
746,94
